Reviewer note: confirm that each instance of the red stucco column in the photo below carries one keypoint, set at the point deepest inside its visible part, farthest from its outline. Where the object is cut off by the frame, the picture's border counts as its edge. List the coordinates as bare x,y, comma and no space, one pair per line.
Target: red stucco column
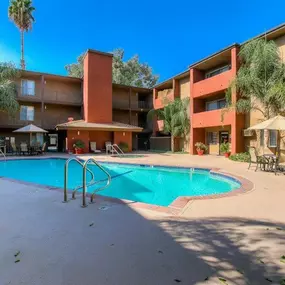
237,138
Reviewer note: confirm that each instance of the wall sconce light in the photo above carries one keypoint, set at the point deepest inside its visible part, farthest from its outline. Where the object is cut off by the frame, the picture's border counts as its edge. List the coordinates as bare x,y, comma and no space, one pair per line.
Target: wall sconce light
45,107
124,134
78,133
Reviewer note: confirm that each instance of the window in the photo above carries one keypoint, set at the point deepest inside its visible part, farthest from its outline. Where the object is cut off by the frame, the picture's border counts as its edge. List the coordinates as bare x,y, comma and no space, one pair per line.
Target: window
215,105
217,71
261,137
28,87
27,113
212,137
272,138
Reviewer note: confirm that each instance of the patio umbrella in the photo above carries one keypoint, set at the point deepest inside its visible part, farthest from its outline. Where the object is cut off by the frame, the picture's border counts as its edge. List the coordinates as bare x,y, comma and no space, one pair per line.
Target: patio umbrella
30,129
277,123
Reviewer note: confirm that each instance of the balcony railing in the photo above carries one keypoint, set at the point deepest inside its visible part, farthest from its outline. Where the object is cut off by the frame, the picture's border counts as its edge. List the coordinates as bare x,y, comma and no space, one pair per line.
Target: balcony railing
213,84
55,96
121,104
212,119
29,94
160,102
141,105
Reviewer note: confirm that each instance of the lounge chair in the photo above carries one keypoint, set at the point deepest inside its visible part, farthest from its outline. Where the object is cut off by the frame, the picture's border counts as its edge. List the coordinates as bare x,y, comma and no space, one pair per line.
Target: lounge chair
93,147
24,148
256,159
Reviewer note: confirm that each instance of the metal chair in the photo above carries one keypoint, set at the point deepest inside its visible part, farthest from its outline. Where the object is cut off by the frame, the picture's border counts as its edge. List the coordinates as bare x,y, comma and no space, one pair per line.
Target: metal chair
256,159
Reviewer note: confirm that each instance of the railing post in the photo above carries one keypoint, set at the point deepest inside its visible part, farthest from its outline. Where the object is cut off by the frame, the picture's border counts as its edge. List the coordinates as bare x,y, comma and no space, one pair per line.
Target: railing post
65,182
84,186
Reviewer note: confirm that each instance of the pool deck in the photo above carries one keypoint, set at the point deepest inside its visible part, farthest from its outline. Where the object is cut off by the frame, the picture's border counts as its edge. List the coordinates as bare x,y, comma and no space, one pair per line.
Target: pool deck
240,238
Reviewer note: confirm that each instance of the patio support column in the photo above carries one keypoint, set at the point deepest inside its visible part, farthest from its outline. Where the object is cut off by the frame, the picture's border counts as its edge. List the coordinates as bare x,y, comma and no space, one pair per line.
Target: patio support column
237,138
42,99
130,109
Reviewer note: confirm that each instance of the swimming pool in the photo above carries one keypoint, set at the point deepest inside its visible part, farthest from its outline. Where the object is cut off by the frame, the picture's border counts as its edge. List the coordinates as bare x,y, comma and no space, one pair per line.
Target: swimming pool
152,185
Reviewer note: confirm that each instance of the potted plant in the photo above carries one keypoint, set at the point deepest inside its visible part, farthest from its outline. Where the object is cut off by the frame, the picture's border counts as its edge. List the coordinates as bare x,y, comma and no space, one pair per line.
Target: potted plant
79,147
225,149
201,148
124,146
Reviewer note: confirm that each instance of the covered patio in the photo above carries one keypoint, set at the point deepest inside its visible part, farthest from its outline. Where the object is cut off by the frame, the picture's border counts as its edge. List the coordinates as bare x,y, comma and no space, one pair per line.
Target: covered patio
98,133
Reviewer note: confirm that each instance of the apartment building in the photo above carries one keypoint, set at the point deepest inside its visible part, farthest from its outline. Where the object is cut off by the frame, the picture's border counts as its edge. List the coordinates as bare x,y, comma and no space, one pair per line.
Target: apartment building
205,83
163,93
48,101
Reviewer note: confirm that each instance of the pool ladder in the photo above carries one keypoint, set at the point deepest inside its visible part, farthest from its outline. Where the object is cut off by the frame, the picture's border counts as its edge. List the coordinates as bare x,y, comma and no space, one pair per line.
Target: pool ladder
114,148
84,183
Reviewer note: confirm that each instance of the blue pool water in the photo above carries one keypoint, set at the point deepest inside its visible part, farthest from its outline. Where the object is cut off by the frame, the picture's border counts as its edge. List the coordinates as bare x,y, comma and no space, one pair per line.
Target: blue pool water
152,185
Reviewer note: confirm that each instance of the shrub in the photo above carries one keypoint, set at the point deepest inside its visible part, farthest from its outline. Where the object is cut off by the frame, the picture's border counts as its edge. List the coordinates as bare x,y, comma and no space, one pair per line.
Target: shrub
123,146
242,157
79,144
225,147
201,146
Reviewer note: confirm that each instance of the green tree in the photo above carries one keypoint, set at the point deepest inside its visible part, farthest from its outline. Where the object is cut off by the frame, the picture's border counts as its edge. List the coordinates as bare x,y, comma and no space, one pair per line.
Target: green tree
130,72
8,88
260,81
21,13
76,69
176,119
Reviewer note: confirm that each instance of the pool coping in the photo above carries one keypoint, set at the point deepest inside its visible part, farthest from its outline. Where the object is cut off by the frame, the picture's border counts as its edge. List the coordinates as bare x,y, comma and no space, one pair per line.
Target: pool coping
175,208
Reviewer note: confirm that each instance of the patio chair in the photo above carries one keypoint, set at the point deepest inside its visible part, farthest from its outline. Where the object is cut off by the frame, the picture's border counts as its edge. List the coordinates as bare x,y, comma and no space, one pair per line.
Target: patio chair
14,149
42,150
108,146
255,159
93,147
277,166
24,148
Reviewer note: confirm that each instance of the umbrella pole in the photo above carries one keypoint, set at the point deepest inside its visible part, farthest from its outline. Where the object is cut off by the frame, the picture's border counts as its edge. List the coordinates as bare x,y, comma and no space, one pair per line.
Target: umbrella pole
30,138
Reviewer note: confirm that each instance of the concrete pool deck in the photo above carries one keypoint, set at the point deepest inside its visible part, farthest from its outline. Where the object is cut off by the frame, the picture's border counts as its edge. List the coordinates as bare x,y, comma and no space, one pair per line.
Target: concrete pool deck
240,238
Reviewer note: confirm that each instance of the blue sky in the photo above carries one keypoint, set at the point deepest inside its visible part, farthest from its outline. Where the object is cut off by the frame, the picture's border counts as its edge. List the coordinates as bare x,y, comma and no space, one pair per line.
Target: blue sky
168,35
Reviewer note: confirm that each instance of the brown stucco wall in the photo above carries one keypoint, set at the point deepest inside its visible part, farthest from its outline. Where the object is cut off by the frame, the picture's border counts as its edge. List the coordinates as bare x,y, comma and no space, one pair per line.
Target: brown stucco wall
62,91
121,116
57,114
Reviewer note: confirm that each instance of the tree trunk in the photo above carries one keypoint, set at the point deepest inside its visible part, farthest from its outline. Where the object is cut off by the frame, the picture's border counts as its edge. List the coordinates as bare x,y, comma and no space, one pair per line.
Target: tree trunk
23,65
172,143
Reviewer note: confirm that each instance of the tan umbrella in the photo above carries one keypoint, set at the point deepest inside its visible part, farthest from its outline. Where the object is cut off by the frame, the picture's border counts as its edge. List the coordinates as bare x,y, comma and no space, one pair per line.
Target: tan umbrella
277,123
30,129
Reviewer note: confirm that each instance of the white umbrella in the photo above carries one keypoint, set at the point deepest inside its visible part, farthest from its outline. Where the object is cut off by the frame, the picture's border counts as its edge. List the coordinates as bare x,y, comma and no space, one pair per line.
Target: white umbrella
277,123
30,129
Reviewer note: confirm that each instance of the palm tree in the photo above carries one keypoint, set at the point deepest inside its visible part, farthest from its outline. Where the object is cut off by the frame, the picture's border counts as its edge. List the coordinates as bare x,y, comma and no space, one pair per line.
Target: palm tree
20,12
176,119
260,81
8,88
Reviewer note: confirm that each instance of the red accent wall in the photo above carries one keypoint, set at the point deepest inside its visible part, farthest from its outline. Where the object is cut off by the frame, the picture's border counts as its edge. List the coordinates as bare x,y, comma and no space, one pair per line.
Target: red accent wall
100,137
97,87
73,136
127,138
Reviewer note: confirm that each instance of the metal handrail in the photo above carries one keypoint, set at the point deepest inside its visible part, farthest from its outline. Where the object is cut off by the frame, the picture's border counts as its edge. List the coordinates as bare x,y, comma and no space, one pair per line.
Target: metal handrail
115,145
66,177
2,153
93,183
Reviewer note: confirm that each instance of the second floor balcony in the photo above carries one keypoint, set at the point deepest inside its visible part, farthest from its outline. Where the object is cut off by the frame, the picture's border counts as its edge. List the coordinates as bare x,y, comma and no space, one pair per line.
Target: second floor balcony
215,84
212,118
162,101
